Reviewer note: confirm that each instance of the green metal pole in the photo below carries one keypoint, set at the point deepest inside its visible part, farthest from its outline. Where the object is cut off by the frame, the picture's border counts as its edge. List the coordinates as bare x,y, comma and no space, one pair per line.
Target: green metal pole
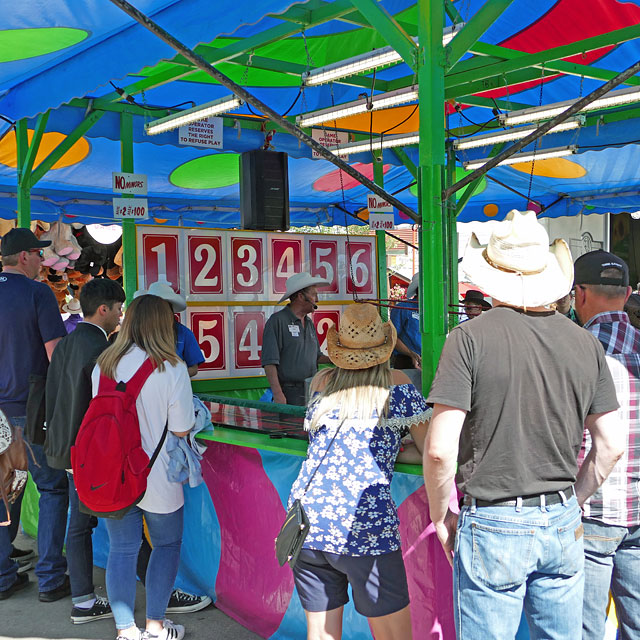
451,240
431,64
381,245
24,178
129,261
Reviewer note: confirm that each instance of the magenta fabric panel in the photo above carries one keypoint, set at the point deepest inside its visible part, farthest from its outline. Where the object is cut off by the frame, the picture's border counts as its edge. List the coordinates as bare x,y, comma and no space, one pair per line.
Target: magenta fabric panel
251,587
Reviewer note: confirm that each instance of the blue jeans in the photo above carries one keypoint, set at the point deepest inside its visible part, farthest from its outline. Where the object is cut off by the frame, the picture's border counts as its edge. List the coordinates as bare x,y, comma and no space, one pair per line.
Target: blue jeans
80,548
506,560
165,531
612,561
52,517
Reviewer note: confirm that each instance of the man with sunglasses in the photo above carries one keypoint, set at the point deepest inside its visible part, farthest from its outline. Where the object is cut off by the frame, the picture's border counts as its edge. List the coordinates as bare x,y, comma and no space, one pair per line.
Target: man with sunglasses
31,326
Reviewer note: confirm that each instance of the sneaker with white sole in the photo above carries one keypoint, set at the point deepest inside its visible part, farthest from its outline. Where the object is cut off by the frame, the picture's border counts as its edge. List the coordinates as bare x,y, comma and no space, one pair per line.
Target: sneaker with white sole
100,610
182,602
23,565
137,634
171,631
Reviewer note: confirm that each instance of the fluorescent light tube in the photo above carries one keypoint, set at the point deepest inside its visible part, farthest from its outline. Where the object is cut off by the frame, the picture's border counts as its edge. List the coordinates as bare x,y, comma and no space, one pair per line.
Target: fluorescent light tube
513,134
535,114
380,101
366,61
400,140
192,115
529,156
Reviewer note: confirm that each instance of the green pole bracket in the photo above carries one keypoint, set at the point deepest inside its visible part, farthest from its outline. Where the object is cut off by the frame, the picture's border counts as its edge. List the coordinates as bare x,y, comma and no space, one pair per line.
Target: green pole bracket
129,257
24,182
381,246
430,171
389,29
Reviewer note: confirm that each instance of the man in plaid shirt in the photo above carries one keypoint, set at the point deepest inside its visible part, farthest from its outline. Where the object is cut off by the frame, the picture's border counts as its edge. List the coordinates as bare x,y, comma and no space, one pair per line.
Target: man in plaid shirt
612,515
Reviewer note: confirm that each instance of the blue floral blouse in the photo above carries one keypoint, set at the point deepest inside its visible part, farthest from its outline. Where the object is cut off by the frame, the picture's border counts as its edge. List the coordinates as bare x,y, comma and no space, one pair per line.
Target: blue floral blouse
349,502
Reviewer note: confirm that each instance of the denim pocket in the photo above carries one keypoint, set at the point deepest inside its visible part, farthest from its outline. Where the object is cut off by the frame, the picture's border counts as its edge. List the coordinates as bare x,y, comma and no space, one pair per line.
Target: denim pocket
572,548
501,555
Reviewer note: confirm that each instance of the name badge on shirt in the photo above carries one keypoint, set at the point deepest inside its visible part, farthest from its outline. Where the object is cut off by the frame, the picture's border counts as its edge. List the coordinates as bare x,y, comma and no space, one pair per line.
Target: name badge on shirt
294,330
415,314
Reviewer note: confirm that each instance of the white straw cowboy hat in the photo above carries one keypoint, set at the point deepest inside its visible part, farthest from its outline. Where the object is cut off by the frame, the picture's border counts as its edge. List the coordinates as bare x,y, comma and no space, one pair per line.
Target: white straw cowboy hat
164,291
300,281
72,307
363,340
518,266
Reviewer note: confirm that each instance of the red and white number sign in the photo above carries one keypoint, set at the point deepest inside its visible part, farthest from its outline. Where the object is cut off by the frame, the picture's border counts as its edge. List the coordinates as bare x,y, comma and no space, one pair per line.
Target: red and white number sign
322,320
323,263
160,259
246,264
205,264
360,267
286,260
208,327
248,330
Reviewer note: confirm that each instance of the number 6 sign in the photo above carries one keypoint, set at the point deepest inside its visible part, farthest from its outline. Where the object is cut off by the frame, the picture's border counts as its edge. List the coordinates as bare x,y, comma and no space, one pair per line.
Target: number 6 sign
360,267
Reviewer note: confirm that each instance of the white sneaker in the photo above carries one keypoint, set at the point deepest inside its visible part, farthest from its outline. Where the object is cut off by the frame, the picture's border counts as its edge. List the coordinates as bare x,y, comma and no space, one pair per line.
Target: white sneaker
171,631
132,634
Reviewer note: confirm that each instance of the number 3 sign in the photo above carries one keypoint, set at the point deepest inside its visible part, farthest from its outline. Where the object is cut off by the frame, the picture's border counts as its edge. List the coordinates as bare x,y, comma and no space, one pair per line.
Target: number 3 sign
246,265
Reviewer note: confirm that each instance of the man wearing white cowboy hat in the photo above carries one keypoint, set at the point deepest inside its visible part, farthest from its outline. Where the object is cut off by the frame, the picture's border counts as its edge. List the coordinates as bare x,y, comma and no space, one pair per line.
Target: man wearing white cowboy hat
75,314
187,346
512,394
290,348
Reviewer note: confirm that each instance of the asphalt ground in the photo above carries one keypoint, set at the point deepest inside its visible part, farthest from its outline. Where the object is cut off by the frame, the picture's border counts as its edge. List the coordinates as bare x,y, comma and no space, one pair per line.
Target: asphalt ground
24,616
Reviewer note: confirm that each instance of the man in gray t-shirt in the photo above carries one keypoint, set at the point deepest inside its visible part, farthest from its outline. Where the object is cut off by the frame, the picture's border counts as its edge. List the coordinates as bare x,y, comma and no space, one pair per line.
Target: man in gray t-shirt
290,349
513,391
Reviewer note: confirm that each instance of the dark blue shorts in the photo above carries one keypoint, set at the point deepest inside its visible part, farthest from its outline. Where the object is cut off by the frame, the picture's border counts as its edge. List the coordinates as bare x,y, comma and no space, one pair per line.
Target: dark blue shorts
379,583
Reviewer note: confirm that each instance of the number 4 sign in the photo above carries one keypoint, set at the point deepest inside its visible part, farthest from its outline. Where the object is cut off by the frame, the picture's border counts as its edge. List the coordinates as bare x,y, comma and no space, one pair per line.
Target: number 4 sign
248,327
286,260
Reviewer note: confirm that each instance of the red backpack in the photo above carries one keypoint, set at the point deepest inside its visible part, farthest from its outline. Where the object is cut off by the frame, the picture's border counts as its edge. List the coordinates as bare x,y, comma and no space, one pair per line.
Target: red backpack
110,467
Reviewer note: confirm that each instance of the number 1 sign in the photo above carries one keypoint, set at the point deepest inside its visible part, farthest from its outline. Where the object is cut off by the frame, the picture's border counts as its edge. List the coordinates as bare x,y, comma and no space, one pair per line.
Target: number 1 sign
160,259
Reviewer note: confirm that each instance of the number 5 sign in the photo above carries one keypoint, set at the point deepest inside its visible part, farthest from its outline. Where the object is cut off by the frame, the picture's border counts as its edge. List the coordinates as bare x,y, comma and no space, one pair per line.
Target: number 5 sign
209,329
323,263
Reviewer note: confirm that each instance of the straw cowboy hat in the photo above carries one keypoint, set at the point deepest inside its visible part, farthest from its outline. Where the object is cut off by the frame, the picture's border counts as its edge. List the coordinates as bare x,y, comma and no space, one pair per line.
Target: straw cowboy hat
72,307
517,266
164,291
300,281
412,289
363,340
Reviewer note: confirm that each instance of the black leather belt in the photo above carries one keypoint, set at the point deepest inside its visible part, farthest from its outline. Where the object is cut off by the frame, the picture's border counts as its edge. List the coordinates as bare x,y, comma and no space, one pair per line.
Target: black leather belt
292,384
527,501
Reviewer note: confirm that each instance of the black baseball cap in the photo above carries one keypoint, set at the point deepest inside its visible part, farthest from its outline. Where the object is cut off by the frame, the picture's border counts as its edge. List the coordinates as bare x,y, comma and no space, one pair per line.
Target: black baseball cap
588,269
20,239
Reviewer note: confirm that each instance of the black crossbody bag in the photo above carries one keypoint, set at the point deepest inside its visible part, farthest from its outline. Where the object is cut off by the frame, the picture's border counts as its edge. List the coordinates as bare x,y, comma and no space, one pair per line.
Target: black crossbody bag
294,531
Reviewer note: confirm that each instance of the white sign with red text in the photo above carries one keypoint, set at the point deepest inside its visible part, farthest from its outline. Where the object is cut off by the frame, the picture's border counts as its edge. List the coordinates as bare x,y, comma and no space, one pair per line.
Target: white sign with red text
376,204
381,221
137,208
329,138
129,183
204,133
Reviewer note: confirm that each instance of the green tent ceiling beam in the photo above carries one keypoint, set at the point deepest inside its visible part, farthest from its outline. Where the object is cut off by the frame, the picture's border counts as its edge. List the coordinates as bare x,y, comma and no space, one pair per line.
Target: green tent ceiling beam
38,132
389,29
474,29
401,154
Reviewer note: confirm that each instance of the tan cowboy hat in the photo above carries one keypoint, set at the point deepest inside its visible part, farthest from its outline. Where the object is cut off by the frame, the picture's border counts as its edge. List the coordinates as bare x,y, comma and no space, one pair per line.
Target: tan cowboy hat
363,340
72,307
300,281
164,291
518,266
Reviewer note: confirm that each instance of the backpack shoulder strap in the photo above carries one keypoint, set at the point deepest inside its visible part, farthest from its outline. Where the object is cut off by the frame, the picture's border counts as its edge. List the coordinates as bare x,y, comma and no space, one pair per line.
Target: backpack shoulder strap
105,384
136,382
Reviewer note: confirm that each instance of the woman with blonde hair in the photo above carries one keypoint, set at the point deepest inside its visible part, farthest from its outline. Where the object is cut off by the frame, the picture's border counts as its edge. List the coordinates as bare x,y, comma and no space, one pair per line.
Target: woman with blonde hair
357,418
165,402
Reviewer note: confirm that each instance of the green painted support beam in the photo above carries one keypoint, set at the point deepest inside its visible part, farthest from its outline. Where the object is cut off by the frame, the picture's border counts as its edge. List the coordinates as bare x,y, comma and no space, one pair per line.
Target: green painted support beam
129,253
24,180
430,170
450,226
466,196
64,146
489,103
474,28
34,145
381,246
389,29
401,154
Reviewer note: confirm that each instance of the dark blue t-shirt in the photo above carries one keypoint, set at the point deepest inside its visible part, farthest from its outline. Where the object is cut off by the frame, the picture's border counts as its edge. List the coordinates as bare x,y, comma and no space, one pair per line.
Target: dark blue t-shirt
29,317
406,319
187,346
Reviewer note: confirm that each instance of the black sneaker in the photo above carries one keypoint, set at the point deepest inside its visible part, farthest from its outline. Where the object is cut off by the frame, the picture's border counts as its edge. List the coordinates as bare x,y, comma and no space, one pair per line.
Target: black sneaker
181,602
22,554
53,595
23,565
101,609
22,580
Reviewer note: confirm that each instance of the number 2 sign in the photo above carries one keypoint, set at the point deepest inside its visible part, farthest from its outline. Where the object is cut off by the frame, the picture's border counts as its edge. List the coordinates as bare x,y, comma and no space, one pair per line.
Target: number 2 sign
323,320
205,264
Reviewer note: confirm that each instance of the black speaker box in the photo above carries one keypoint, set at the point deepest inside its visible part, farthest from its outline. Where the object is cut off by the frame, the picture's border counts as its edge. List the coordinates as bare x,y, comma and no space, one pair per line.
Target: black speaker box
264,190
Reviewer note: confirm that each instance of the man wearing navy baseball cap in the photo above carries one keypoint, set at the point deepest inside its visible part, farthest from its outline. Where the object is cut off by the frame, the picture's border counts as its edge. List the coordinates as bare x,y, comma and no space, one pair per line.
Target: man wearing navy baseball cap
612,514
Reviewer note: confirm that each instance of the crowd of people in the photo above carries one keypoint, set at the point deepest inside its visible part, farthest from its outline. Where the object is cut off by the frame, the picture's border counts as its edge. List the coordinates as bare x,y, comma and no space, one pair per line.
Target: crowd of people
532,416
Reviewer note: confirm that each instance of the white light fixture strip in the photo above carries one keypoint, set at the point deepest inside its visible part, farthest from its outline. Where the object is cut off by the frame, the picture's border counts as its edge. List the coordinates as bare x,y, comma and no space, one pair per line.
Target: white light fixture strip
529,156
513,134
399,140
366,61
194,114
377,102
535,114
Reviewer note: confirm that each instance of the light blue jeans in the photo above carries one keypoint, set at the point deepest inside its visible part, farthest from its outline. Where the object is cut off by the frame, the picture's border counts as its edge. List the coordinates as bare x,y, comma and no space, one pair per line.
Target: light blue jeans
612,561
507,560
125,536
